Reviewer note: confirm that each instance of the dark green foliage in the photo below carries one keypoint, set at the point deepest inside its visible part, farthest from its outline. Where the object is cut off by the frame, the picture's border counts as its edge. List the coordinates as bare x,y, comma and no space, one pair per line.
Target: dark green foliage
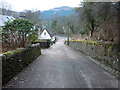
15,33
89,17
20,25
46,43
93,15
15,61
54,25
33,37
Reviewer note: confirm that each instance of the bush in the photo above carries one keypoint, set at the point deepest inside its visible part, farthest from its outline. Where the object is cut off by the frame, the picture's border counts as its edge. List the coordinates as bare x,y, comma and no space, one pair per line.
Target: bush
15,34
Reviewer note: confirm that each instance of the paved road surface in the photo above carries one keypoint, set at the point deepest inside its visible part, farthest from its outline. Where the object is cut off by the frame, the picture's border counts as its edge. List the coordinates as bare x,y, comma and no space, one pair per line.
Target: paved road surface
62,67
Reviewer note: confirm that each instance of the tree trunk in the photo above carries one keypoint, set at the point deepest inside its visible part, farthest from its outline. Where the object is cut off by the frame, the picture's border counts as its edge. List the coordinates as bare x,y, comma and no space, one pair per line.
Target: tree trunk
91,33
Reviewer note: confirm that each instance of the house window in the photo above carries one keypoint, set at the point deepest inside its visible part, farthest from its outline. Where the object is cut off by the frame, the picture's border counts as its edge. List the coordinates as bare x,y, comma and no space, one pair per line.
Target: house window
44,33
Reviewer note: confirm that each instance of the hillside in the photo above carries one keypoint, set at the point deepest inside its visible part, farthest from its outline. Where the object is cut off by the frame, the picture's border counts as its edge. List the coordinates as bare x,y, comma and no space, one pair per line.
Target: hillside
56,12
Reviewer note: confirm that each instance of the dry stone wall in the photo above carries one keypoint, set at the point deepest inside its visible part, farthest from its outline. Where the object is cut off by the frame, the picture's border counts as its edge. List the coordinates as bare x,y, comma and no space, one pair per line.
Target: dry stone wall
14,61
105,53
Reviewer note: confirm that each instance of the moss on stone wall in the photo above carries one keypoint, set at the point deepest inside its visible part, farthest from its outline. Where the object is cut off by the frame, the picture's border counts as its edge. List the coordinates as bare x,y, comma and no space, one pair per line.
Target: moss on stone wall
11,52
107,46
87,41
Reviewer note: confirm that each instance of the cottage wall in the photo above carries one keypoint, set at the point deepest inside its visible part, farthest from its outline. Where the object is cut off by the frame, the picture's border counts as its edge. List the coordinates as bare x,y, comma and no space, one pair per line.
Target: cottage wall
45,35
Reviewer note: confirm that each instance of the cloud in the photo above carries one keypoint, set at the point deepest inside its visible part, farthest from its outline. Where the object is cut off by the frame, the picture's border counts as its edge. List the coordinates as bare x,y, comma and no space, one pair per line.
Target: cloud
19,5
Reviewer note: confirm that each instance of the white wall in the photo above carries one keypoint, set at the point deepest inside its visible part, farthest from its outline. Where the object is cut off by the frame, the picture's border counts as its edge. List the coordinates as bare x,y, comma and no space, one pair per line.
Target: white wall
44,36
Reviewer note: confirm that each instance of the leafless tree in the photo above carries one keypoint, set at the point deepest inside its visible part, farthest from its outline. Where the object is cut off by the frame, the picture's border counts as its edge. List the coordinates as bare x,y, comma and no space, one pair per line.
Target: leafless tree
6,8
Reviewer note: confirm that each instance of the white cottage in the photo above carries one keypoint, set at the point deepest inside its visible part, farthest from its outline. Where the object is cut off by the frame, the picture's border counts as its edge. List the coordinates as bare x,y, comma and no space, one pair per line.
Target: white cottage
46,34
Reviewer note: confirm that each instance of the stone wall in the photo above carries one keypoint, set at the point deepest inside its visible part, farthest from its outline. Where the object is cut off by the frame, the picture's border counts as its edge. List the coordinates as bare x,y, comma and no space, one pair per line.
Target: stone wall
105,53
14,61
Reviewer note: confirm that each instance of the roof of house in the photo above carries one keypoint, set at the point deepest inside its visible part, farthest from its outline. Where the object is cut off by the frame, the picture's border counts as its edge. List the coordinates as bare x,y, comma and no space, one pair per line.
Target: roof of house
5,18
51,33
37,26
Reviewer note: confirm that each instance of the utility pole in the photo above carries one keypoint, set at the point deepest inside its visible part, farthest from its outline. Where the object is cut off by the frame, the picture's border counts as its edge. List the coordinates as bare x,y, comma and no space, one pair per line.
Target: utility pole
69,29
39,32
68,38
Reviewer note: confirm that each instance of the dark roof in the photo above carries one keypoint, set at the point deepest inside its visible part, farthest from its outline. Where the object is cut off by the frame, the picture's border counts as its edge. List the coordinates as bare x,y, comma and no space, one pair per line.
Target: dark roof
37,26
51,33
5,18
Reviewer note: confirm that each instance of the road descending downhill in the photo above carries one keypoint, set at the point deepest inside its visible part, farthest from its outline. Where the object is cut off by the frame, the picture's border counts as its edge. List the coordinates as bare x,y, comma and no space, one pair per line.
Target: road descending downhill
63,67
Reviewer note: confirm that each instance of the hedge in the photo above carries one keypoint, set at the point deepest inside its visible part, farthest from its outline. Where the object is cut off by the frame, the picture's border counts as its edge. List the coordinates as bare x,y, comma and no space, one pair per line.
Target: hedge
14,61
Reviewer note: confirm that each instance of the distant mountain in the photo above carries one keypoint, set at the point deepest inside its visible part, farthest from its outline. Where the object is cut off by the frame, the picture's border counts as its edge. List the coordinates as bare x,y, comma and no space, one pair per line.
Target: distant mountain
56,12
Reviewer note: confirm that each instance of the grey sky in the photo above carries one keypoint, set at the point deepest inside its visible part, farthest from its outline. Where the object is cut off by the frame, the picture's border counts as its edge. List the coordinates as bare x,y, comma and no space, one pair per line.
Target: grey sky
19,5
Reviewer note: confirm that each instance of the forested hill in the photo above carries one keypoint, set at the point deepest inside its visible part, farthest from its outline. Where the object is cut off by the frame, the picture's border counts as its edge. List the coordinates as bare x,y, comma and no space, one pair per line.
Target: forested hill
56,12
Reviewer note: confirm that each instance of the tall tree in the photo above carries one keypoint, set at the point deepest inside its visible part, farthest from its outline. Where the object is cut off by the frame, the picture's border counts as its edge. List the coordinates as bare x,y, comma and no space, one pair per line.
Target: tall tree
33,16
6,8
89,17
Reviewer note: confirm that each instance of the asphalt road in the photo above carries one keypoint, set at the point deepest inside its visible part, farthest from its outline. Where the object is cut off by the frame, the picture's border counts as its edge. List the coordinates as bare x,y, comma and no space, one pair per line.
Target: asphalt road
62,67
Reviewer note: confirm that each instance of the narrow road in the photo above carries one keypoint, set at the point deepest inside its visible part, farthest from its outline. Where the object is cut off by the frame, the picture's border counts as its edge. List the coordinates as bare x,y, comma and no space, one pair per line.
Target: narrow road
62,67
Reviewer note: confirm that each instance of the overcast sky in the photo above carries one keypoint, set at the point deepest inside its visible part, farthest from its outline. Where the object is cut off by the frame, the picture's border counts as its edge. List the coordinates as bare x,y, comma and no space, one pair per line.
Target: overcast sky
19,5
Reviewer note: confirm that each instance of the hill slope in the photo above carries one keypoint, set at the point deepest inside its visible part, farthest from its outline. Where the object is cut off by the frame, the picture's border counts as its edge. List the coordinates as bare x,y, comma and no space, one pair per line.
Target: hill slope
56,12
